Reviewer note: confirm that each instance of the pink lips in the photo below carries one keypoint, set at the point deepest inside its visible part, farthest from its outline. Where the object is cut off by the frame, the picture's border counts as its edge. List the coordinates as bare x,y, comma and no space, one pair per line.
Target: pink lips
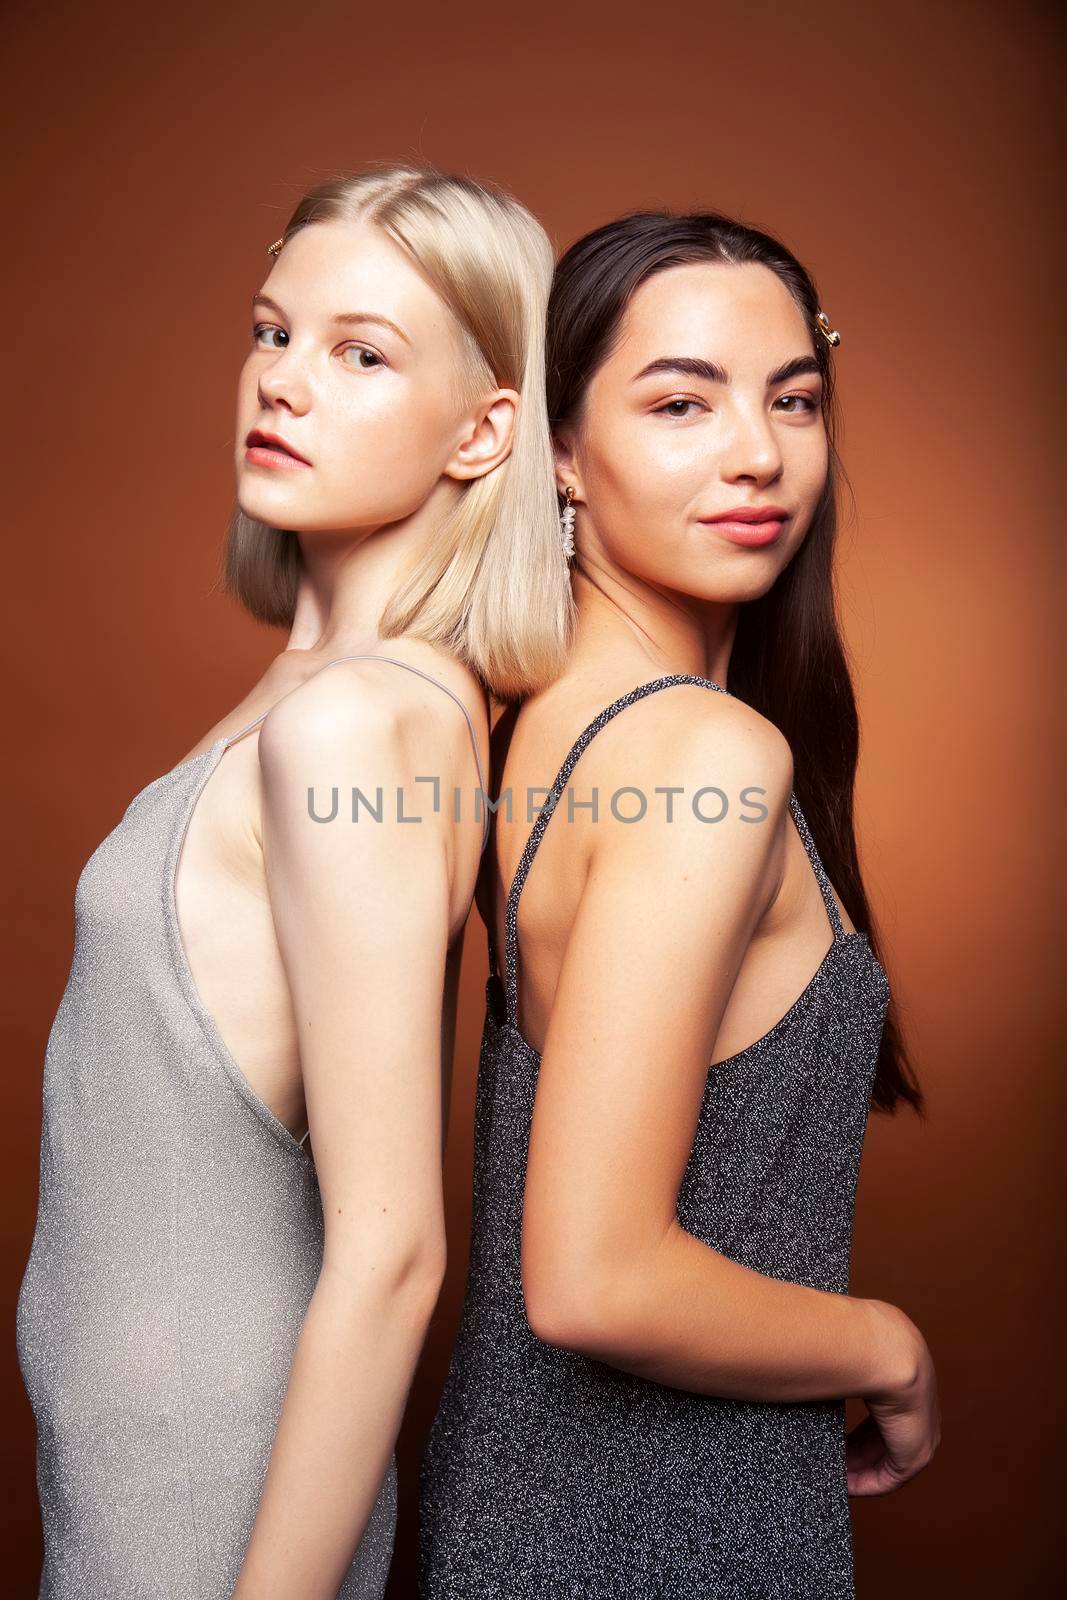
271,450
752,526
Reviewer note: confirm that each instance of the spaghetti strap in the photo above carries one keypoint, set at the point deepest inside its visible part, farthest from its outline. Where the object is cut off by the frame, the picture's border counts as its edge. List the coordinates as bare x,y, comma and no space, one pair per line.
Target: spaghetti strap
482,791
837,926
503,995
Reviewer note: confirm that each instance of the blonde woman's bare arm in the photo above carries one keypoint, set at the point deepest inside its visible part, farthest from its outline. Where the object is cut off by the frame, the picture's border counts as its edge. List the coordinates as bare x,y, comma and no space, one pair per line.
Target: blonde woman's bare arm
362,913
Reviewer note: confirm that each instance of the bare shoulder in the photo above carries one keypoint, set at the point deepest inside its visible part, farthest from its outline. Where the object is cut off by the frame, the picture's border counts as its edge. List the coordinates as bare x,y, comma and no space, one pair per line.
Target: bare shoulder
692,802
379,700
409,663
695,737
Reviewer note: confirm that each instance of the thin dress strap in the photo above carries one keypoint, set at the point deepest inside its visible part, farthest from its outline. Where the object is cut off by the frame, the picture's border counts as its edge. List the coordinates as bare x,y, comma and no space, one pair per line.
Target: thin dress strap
483,792
823,881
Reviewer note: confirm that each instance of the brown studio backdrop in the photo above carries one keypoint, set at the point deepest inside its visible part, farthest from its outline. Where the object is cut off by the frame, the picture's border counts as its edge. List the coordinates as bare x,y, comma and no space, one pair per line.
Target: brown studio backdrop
904,152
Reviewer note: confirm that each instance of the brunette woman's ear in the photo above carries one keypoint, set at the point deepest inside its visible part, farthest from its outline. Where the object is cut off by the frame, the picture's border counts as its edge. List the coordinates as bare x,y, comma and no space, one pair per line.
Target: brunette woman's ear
567,474
489,437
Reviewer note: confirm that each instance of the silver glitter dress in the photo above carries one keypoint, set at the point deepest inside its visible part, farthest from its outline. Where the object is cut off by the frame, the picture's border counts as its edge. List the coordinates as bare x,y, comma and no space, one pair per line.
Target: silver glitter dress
548,1474
179,1239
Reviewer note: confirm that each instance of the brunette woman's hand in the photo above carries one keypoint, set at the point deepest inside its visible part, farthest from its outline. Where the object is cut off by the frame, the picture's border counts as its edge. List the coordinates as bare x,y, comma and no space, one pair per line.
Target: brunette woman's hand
902,1430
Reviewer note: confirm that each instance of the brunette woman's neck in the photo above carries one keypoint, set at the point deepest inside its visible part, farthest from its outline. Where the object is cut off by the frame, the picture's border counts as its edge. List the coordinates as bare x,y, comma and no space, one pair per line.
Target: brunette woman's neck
648,632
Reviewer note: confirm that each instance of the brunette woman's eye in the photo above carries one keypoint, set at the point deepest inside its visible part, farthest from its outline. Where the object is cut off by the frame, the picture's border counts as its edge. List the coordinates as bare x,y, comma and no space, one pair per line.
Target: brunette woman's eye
269,327
668,410
362,350
808,404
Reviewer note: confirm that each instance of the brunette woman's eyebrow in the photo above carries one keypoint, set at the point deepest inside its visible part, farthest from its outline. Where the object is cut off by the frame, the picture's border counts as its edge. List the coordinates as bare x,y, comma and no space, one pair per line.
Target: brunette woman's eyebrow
711,372
799,367
342,320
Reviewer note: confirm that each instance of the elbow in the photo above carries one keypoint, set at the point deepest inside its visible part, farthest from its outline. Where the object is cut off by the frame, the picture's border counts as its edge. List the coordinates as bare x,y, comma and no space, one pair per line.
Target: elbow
403,1275
419,1271
554,1319
420,1274
588,1309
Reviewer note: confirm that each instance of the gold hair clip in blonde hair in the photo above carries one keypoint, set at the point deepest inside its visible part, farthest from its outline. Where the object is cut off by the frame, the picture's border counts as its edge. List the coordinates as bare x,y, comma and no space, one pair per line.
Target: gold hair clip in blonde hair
831,335
272,249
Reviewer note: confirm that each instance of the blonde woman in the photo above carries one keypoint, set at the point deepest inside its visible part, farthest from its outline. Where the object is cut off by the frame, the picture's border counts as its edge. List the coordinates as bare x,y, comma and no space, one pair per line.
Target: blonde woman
239,1238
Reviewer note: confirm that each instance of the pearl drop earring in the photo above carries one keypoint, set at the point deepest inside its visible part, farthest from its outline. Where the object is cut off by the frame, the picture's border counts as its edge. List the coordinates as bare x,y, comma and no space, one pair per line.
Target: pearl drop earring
566,525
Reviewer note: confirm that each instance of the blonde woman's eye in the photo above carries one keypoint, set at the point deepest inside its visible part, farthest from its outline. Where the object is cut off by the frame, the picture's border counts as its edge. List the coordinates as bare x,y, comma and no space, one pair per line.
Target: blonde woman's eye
670,409
268,328
360,350
797,403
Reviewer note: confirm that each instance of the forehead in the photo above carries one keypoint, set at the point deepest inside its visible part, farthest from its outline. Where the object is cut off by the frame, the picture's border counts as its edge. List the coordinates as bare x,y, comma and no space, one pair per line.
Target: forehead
332,268
712,310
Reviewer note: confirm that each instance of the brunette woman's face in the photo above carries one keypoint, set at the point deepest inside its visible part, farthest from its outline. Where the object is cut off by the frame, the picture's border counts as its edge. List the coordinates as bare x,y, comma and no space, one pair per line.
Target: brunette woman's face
356,364
710,401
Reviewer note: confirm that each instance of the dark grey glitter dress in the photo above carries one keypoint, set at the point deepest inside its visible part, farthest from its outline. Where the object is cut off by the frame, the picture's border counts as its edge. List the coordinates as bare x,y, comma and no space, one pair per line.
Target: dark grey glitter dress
549,1474
178,1242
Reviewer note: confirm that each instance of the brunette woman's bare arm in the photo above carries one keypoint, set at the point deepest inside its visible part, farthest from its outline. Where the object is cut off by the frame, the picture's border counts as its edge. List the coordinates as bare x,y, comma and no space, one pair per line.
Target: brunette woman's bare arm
362,915
665,916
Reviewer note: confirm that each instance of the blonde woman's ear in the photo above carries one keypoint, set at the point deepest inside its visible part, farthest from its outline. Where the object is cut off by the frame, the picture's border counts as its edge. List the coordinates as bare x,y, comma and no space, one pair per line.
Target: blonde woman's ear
490,437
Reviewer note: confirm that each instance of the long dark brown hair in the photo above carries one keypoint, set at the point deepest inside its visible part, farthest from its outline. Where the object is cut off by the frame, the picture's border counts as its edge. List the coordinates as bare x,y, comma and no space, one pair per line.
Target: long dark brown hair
788,660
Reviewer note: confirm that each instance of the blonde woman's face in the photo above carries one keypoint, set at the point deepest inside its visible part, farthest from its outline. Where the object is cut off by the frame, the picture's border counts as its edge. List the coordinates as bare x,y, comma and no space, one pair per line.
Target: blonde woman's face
356,364
709,402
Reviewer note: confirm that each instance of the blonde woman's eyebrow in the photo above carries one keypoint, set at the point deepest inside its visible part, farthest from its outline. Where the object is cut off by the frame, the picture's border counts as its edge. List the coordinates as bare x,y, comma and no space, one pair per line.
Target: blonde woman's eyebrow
711,372
343,319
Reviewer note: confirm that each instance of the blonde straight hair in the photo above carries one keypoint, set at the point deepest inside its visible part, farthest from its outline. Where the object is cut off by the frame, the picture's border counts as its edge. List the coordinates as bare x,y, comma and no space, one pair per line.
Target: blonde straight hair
494,588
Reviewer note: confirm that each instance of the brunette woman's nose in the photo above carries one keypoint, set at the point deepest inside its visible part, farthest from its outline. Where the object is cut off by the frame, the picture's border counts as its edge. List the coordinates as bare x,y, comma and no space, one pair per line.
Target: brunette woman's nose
751,453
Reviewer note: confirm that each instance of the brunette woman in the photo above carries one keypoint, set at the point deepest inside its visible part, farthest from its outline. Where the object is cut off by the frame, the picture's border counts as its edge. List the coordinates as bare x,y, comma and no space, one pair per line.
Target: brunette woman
239,1238
647,1395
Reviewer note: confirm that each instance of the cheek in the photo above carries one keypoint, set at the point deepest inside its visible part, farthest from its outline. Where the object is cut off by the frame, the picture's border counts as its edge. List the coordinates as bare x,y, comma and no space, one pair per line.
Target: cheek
386,444
809,460
247,394
643,470
639,488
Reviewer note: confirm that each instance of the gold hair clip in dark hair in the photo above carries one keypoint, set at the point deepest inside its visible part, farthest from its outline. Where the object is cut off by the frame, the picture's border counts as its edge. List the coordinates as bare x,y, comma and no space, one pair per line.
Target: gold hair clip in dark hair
831,335
272,249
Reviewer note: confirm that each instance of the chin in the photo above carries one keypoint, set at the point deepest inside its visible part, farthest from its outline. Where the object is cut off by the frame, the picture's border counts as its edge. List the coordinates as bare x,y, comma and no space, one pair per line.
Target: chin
270,503
722,590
